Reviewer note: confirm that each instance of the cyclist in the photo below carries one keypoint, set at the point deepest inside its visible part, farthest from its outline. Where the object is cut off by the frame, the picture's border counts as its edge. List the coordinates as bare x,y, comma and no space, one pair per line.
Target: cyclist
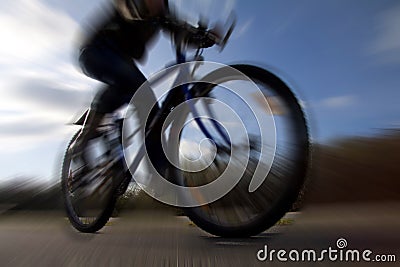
108,54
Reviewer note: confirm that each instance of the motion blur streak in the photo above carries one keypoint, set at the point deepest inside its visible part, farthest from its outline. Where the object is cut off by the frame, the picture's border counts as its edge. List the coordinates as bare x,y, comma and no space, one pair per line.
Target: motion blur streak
357,169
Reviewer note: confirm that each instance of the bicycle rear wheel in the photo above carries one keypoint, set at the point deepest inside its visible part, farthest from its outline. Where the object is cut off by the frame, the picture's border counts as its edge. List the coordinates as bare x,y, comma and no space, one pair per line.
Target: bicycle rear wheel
242,213
89,198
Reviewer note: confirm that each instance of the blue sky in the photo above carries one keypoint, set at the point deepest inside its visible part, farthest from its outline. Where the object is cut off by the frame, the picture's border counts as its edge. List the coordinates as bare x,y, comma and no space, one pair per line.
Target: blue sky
342,58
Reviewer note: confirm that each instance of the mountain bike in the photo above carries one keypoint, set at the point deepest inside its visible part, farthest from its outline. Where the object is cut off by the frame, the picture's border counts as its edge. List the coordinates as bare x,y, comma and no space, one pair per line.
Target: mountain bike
235,137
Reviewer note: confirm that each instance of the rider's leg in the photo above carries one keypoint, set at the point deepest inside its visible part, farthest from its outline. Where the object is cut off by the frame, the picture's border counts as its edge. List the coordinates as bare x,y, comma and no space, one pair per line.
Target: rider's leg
123,79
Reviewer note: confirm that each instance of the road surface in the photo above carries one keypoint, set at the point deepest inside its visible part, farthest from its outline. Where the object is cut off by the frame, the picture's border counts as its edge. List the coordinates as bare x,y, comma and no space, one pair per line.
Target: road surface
142,238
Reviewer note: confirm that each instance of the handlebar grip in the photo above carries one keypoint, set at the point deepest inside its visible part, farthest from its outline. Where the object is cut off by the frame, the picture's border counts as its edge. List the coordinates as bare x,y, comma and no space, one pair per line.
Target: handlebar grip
205,38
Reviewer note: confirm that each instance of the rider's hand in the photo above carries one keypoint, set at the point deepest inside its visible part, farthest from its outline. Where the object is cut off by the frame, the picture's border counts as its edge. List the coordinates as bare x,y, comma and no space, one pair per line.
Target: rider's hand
217,32
215,36
207,43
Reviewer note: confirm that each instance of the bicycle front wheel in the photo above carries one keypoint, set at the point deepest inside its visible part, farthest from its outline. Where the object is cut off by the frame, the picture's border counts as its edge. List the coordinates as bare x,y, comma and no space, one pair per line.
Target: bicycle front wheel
247,209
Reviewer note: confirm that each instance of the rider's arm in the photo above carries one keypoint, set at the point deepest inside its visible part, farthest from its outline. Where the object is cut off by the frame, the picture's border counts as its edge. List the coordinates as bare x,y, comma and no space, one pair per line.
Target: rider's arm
195,35
157,11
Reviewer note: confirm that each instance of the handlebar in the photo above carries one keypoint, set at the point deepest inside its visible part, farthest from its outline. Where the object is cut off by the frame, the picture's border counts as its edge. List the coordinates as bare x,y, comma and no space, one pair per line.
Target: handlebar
198,37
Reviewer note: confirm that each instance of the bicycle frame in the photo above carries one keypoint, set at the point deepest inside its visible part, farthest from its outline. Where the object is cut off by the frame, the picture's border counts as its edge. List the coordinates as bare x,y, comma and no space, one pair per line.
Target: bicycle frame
182,90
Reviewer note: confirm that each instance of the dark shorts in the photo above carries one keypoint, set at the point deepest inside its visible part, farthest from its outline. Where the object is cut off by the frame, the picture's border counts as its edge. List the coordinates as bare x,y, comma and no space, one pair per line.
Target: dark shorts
120,74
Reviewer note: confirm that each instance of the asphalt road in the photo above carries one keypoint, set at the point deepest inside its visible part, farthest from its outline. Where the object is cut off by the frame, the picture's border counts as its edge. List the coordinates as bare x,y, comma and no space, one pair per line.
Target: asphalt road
162,239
